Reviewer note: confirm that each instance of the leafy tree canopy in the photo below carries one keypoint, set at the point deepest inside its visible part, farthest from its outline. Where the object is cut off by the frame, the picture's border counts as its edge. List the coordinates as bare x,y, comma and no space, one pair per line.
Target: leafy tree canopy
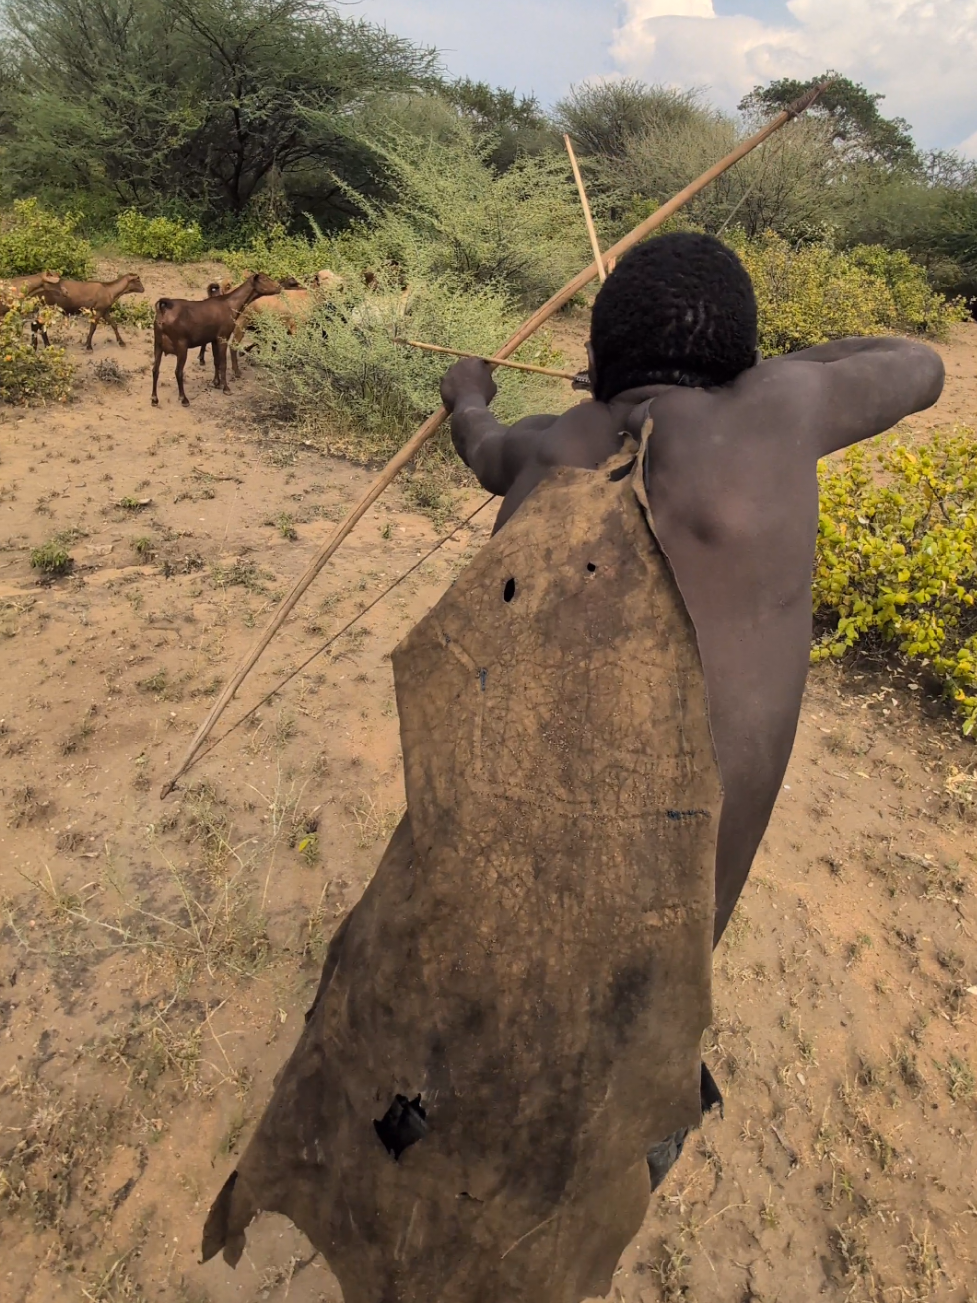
605,117
517,122
198,103
852,112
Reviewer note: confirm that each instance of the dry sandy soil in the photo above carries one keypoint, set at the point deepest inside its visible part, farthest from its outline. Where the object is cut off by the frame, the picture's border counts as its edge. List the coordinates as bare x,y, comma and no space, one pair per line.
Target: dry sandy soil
157,957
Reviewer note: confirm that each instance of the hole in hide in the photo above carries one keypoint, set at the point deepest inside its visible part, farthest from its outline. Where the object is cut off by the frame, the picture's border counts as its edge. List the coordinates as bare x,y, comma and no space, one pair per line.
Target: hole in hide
402,1125
509,591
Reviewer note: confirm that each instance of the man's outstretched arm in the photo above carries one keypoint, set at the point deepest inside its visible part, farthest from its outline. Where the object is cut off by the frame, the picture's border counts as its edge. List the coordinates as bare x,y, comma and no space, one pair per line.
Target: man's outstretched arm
869,385
496,453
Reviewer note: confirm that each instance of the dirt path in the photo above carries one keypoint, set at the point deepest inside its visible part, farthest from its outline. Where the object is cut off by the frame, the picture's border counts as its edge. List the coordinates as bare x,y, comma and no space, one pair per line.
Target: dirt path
157,957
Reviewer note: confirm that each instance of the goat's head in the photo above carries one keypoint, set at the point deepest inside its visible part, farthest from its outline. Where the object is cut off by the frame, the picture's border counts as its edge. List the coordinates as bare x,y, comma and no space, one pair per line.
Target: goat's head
213,289
133,284
262,284
327,280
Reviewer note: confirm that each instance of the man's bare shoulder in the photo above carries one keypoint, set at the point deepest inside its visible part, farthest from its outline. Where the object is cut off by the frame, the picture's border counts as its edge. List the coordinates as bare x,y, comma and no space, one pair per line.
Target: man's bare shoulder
769,390
828,396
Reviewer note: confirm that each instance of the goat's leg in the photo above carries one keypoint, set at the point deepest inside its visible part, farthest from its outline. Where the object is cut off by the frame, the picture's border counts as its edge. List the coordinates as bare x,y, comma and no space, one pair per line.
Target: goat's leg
215,354
157,358
181,361
91,332
118,338
235,344
203,354
221,346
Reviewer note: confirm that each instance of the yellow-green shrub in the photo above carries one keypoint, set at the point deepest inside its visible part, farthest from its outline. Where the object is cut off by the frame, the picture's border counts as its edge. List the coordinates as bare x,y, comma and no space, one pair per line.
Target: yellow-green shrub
811,293
139,313
279,254
28,375
33,240
158,237
344,380
896,561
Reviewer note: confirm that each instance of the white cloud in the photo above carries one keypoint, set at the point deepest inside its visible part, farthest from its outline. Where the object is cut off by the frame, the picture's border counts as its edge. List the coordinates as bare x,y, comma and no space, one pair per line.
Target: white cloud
922,54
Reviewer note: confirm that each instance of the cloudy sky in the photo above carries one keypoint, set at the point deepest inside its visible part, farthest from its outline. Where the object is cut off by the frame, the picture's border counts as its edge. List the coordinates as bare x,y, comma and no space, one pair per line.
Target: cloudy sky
922,54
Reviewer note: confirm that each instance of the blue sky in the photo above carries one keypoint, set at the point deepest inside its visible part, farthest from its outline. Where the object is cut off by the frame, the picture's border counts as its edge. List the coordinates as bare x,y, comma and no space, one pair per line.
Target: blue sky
922,56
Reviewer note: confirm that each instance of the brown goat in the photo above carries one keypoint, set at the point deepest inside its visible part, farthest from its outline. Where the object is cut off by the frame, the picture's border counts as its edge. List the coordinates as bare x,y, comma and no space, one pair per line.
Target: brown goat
182,324
18,288
95,297
291,307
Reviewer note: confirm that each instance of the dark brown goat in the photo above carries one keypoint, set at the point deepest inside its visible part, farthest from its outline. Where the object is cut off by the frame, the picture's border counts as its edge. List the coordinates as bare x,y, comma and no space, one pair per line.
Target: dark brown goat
95,297
182,324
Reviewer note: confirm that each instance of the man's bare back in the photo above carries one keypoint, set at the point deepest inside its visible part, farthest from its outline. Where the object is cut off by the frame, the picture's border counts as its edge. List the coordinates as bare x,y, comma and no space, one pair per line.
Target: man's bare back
731,476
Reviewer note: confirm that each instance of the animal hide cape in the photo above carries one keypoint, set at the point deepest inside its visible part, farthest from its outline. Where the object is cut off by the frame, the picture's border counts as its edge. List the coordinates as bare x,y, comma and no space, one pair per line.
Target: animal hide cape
512,1013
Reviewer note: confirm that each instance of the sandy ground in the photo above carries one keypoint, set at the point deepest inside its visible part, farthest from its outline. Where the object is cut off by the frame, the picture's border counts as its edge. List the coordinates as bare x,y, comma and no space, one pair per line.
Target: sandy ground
157,957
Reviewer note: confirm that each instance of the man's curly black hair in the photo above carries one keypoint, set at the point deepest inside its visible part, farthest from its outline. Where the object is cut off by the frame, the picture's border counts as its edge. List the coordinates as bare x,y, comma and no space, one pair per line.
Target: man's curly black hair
678,309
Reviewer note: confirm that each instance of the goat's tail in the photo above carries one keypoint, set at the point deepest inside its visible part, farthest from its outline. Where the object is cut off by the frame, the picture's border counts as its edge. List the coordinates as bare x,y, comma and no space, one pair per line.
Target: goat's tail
163,304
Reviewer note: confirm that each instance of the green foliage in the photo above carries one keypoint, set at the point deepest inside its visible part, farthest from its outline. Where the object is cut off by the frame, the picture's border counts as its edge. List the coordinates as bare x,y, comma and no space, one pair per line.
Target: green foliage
345,382
932,215
51,559
516,124
916,308
851,112
29,375
604,118
279,254
809,294
896,563
642,144
454,218
158,237
137,313
33,239
201,102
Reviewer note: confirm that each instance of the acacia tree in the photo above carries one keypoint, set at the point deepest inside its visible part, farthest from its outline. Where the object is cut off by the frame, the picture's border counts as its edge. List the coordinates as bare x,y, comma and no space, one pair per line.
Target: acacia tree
196,105
517,123
605,118
851,112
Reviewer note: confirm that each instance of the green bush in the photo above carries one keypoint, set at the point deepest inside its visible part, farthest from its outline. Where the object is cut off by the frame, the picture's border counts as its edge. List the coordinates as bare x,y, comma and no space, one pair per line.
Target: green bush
51,559
158,237
137,313
916,307
809,294
345,381
278,254
33,239
896,564
454,220
29,375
